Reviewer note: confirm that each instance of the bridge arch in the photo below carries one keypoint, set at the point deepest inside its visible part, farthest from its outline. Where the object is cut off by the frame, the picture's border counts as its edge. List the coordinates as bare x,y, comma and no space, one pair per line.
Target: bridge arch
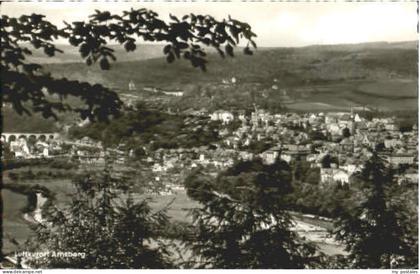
32,138
49,136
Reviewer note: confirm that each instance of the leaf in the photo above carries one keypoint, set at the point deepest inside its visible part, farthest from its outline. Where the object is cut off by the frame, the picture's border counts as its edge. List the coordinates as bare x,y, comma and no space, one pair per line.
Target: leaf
167,49
84,50
74,41
187,55
49,50
104,63
248,51
36,43
253,44
170,58
89,61
173,17
222,54
130,46
182,45
229,50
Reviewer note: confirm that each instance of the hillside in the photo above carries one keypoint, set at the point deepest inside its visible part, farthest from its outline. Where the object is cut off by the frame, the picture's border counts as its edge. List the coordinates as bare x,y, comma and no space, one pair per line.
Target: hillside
71,54
316,78
380,75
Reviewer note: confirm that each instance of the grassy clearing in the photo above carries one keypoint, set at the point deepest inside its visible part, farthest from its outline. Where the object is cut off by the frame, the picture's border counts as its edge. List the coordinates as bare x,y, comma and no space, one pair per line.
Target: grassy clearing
13,223
391,88
180,204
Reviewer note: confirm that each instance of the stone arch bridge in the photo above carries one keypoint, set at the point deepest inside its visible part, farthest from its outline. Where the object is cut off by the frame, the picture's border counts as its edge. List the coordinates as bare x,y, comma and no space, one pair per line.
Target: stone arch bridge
9,137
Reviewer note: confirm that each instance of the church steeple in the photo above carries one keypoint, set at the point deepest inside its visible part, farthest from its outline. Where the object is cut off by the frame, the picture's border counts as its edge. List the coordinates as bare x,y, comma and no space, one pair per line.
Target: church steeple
131,86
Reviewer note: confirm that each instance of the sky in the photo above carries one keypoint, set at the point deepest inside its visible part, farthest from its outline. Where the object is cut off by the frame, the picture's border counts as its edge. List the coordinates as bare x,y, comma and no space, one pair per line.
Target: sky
277,24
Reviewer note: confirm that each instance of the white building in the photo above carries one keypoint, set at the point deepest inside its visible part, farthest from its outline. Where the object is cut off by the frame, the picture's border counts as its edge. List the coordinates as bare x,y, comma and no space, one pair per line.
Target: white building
20,148
225,116
329,175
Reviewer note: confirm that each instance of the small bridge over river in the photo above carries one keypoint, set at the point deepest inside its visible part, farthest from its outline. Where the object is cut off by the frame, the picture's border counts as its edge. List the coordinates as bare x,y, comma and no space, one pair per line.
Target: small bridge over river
12,136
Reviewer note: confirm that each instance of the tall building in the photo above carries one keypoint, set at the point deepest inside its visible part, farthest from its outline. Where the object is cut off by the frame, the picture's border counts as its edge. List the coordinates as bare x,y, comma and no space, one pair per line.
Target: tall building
131,86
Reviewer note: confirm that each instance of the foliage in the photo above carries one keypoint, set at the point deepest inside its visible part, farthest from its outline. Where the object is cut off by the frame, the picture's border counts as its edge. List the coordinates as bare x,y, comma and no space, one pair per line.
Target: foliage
243,222
376,232
143,127
40,175
107,224
56,163
24,83
258,146
317,135
326,200
346,132
327,160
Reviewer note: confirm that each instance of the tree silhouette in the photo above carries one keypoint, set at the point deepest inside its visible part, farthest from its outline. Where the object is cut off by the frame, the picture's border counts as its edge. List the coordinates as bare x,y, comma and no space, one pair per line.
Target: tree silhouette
104,222
327,160
346,132
25,85
374,233
243,222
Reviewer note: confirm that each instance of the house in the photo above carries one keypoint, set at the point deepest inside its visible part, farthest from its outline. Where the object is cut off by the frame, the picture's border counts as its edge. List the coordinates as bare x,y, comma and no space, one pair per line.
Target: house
391,127
220,115
43,147
329,175
20,148
270,156
410,177
312,157
334,129
242,116
351,168
174,93
398,159
346,144
151,89
295,155
330,119
390,143
245,156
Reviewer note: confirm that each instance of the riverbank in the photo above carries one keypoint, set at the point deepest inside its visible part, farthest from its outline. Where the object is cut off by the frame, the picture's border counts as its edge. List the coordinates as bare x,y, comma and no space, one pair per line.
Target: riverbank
22,207
35,216
313,228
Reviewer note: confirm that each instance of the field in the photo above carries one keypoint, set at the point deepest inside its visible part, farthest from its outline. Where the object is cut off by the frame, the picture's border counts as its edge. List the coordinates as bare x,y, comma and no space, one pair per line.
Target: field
384,95
178,203
383,76
14,226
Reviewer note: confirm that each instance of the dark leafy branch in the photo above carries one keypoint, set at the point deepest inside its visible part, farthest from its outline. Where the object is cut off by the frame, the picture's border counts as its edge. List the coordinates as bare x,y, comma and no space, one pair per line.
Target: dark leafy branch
25,83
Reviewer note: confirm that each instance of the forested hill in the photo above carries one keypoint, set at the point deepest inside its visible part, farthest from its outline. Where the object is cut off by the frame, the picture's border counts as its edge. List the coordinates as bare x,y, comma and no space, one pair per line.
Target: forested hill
324,77
290,65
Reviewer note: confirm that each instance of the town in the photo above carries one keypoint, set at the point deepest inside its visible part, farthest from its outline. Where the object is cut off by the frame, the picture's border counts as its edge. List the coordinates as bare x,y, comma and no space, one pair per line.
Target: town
335,145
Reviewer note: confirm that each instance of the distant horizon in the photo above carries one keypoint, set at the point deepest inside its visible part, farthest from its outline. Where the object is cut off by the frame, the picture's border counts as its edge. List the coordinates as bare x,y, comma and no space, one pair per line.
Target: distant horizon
277,24
303,46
